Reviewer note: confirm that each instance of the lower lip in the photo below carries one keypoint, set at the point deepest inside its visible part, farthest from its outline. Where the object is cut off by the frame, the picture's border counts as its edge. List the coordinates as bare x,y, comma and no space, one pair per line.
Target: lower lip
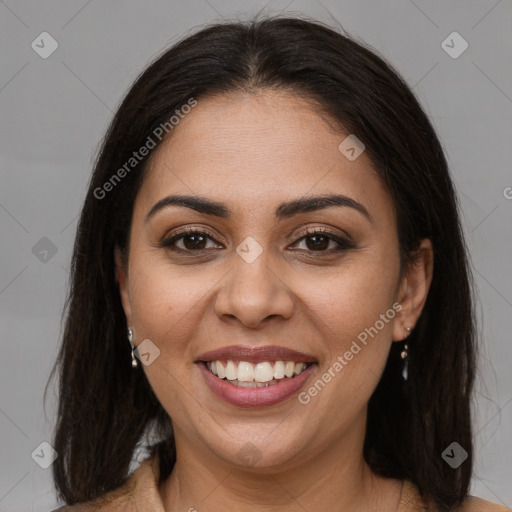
255,397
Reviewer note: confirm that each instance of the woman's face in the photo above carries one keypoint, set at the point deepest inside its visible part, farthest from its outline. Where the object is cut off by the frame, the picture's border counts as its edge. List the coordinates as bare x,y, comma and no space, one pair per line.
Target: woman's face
274,267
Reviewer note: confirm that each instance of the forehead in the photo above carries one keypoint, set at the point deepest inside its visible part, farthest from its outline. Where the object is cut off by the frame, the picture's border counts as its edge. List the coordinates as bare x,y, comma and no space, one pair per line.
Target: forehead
259,148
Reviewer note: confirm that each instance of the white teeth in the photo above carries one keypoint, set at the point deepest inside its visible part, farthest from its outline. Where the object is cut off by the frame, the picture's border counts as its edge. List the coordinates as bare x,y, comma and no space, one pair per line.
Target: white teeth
278,370
252,384
231,371
299,368
263,372
247,374
289,368
221,371
243,384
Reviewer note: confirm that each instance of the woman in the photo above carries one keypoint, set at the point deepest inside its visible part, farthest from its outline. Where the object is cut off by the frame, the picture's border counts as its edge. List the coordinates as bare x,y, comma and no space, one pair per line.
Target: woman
270,281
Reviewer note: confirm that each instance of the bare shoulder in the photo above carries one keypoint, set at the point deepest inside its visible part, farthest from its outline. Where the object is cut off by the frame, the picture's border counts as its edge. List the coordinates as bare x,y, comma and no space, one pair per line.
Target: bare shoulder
411,501
473,504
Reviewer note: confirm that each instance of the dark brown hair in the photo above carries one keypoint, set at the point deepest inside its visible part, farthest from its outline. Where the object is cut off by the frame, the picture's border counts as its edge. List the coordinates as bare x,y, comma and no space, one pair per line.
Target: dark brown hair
106,407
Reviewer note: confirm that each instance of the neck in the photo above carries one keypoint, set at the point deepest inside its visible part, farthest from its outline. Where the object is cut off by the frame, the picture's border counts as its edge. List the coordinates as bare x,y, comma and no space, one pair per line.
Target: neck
336,478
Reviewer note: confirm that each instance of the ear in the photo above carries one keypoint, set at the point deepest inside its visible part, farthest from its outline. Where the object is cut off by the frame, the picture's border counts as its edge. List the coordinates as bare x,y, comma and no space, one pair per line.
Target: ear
413,289
122,282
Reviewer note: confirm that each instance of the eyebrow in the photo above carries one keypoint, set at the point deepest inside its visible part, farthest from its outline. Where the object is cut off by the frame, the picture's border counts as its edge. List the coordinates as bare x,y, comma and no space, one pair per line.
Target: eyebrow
284,210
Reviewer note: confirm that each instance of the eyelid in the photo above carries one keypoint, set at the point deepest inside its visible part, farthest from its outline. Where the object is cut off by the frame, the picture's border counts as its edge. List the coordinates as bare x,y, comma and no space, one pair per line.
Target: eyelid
169,239
344,241
324,231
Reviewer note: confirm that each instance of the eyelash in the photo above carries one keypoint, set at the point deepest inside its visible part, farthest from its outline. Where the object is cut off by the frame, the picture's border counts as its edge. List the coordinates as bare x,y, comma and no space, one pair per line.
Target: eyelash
343,243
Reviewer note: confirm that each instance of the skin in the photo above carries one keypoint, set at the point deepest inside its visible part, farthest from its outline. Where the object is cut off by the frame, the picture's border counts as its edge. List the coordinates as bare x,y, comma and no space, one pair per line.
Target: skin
252,152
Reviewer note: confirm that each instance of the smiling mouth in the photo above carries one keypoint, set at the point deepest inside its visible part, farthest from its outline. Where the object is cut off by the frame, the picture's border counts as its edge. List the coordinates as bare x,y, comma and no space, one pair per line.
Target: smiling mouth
256,375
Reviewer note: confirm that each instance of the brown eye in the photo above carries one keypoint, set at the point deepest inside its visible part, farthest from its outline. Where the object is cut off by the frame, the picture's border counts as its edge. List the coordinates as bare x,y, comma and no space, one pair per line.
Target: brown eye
317,242
189,241
324,241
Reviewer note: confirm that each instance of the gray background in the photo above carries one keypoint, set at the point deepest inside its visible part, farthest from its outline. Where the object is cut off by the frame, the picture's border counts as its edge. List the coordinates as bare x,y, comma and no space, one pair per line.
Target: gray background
54,112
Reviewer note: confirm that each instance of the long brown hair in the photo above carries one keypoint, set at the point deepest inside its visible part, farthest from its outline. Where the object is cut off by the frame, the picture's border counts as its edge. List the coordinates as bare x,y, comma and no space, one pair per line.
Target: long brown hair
106,407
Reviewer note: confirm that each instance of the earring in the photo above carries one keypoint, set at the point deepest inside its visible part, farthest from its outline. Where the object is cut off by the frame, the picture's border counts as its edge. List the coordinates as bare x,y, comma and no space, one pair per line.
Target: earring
404,355
130,339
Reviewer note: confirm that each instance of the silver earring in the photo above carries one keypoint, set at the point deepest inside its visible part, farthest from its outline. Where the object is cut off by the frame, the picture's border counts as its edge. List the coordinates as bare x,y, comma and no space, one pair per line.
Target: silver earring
130,339
404,355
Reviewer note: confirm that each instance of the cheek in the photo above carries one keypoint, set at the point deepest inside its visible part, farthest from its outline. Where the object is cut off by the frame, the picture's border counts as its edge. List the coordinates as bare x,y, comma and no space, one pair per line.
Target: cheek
163,303
353,311
348,301
165,311
161,298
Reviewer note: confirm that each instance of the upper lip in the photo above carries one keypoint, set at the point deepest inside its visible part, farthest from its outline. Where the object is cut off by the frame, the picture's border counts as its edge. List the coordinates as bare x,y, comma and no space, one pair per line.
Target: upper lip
256,354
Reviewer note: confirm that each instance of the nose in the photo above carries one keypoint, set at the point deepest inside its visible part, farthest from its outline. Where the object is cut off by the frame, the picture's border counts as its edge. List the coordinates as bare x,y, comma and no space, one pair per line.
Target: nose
254,293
